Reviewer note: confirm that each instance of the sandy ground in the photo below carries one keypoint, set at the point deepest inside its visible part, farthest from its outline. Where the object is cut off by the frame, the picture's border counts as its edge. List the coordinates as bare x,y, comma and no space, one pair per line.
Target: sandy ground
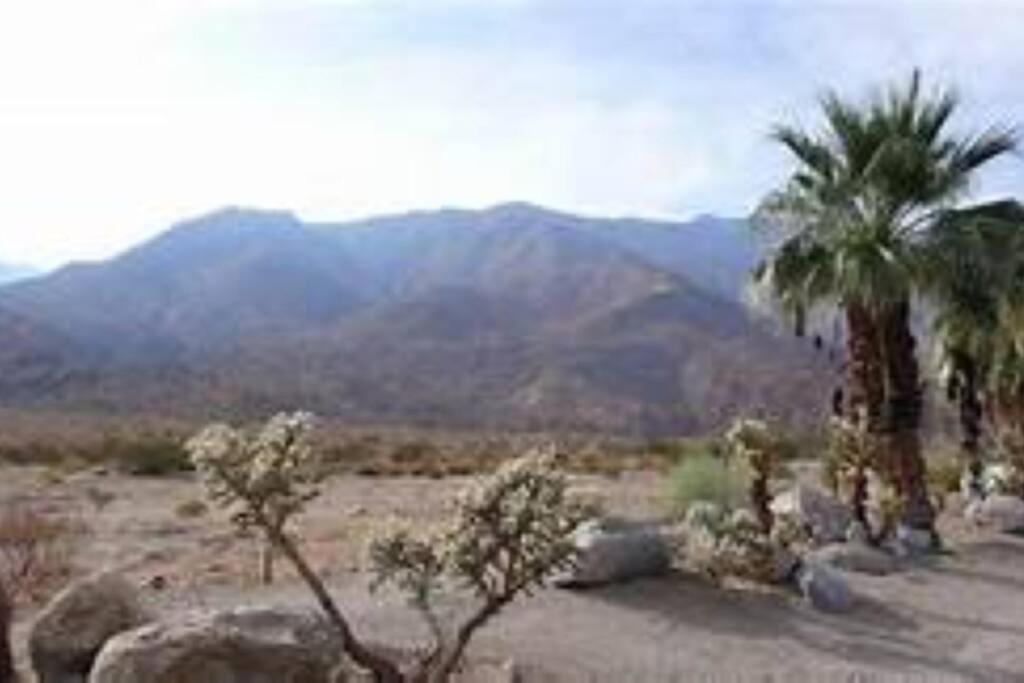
959,617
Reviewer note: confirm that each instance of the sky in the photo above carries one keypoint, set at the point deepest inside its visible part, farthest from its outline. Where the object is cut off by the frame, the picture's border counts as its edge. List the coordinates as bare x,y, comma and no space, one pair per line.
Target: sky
120,117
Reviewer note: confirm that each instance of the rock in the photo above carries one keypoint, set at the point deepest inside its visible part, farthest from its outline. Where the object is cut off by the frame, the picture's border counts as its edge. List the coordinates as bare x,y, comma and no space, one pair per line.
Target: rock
246,645
913,541
854,557
826,518
1005,513
71,629
824,588
613,550
857,533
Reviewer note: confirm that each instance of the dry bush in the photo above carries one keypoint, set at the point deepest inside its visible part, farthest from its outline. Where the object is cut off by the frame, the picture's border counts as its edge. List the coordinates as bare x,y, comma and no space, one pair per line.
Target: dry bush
35,551
7,674
190,509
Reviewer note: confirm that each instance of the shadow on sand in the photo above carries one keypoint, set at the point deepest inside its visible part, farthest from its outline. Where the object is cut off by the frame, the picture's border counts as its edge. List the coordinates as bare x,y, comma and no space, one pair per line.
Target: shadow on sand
875,635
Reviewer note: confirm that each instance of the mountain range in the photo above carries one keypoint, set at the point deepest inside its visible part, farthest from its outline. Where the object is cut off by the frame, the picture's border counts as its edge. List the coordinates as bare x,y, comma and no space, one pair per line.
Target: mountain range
513,317
10,272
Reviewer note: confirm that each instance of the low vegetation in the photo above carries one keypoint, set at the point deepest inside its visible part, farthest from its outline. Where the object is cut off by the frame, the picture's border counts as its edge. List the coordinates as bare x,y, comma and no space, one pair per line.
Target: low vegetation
706,477
35,551
508,533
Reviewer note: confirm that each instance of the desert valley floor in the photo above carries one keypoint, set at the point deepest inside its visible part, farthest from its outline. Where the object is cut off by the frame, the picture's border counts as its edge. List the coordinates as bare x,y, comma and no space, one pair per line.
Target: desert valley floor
957,617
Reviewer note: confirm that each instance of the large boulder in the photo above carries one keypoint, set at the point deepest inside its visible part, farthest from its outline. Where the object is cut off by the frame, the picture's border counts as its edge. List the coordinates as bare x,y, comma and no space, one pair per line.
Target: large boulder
70,631
824,588
854,557
245,645
614,550
1005,513
825,518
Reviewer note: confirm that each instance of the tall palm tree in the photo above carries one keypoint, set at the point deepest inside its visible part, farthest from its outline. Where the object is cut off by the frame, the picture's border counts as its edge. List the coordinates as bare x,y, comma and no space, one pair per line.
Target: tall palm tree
972,260
864,193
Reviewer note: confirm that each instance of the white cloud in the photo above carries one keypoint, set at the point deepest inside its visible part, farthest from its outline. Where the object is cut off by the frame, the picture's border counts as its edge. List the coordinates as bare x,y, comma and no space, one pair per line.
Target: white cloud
117,118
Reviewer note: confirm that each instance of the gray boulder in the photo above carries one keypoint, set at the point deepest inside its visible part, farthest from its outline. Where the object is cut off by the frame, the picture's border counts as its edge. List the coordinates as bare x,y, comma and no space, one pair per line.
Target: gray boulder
826,518
824,588
67,635
614,550
910,542
246,645
1003,512
854,557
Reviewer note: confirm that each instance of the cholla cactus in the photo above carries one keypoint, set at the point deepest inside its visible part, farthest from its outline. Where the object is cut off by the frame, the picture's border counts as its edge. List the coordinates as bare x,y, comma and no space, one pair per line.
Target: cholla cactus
853,451
264,479
753,442
730,545
509,532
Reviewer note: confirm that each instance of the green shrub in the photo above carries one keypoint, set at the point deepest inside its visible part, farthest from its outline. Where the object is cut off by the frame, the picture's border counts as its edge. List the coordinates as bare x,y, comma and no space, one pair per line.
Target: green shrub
149,456
705,477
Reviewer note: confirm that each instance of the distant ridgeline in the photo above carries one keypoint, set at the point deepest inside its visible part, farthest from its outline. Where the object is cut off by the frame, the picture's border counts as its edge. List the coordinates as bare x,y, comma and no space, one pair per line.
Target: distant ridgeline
10,272
514,317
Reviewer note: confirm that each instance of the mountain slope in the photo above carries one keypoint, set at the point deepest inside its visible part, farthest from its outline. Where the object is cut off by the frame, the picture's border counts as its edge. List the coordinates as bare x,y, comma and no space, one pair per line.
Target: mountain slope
513,317
10,272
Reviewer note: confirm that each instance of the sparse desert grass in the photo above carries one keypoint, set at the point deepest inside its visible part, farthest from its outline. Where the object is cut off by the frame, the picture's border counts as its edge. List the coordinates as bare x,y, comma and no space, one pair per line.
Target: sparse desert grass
145,446
35,551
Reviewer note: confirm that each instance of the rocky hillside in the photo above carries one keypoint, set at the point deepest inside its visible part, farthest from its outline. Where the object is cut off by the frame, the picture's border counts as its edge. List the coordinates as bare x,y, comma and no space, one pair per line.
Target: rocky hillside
512,317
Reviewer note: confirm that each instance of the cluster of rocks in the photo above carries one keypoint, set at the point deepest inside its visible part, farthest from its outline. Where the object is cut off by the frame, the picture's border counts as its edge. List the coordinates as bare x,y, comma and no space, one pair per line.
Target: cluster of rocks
1002,512
97,630
614,550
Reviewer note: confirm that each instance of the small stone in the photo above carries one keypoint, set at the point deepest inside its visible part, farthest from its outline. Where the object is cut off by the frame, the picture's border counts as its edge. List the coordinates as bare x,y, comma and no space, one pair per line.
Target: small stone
824,588
855,557
1003,512
914,541
826,518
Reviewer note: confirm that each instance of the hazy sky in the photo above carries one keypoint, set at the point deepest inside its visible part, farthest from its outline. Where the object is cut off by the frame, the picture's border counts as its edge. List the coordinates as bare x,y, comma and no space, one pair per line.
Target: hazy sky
119,117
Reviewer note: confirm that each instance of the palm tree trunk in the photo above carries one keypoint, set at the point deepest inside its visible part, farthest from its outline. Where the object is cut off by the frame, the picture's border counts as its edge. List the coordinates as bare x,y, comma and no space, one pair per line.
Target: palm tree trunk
904,407
971,412
865,395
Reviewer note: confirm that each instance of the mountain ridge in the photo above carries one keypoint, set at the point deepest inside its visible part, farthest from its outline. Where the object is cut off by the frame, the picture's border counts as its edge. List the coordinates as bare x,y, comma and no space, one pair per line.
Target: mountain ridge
509,317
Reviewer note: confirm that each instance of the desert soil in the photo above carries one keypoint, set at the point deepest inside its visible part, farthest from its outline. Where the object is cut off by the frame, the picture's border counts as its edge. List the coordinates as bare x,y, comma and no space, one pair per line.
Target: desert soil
958,617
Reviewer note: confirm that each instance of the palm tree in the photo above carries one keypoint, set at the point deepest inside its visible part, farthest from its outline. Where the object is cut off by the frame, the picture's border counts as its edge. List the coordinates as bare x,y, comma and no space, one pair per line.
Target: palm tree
972,262
864,194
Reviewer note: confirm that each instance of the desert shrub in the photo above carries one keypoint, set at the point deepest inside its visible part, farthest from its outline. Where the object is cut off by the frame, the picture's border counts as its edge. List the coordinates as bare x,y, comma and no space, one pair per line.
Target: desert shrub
705,477
508,532
7,674
190,509
720,543
35,551
414,452
753,443
148,456
853,452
